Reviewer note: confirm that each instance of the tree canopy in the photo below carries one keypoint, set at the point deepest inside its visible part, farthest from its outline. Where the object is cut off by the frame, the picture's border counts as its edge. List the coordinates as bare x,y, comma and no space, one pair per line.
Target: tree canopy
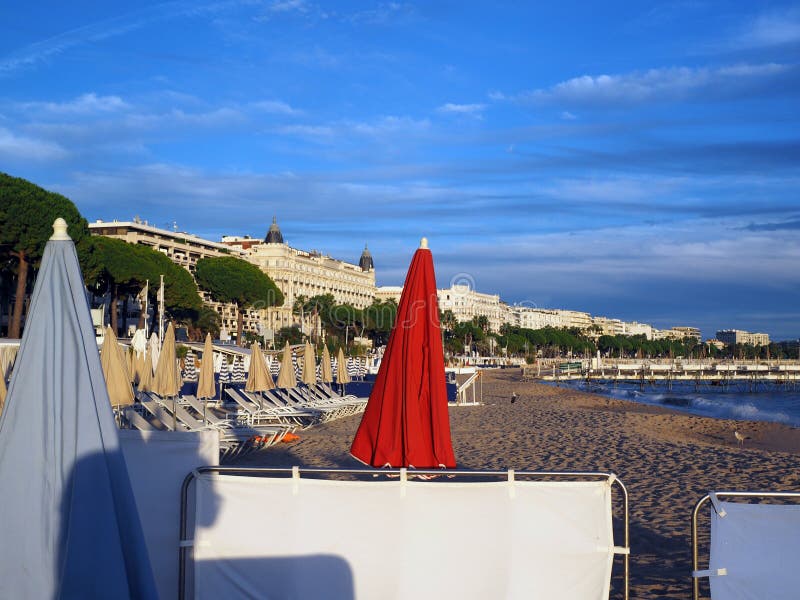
231,279
27,212
115,266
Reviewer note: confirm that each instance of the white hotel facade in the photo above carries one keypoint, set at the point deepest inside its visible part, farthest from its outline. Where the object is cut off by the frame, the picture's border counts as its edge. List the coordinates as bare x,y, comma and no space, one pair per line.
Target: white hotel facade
295,272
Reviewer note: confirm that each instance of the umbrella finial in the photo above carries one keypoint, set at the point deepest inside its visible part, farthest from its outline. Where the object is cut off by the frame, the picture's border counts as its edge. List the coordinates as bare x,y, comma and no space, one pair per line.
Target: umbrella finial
60,230
423,243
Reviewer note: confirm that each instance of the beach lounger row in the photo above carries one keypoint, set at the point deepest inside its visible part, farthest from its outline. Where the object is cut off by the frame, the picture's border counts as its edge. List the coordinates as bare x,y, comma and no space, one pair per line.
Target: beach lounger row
187,413
303,407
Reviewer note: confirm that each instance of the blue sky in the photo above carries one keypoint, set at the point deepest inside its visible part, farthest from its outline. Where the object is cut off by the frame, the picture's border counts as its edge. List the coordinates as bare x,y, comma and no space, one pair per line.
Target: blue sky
638,160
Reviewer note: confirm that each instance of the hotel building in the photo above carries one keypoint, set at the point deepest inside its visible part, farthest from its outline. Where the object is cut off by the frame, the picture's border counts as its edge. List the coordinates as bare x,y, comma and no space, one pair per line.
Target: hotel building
303,273
539,318
295,272
184,249
467,304
731,337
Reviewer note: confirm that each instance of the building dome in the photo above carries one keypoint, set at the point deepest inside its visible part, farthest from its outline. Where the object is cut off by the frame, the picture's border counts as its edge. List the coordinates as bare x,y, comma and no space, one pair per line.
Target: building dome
365,262
274,235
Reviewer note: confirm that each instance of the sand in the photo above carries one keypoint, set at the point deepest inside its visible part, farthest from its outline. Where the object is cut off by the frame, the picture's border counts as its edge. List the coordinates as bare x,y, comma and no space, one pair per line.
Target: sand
668,460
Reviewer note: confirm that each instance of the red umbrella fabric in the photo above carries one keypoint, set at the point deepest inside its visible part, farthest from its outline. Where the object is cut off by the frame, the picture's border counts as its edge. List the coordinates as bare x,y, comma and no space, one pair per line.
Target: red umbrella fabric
406,422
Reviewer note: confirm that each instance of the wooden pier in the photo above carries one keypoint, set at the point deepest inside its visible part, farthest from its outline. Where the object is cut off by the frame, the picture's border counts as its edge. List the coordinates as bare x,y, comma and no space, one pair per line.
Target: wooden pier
753,375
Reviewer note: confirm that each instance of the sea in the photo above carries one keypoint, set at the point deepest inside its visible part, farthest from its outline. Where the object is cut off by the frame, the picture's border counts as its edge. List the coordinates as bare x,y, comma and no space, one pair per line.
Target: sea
738,402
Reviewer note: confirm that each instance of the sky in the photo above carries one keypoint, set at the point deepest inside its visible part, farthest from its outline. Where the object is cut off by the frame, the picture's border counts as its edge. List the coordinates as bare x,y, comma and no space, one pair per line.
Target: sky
637,160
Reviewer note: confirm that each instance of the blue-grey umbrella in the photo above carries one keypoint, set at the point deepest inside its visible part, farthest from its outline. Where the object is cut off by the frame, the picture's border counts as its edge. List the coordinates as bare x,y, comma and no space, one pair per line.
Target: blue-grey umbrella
68,522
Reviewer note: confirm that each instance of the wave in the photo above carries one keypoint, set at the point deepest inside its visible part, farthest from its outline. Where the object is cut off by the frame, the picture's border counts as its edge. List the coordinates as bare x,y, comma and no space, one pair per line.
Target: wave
777,407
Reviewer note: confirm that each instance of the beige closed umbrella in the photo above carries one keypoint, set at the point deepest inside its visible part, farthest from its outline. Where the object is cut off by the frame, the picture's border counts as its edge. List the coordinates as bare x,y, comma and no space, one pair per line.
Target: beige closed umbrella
115,371
3,392
309,366
286,378
342,376
146,373
326,374
166,381
258,379
205,380
130,355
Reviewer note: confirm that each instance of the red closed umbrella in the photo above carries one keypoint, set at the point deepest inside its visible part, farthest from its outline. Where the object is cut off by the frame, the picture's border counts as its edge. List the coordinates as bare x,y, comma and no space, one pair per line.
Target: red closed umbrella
406,422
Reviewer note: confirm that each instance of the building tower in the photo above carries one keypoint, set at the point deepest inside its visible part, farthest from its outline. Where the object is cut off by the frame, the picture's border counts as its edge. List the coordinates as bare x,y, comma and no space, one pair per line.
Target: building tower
365,262
274,235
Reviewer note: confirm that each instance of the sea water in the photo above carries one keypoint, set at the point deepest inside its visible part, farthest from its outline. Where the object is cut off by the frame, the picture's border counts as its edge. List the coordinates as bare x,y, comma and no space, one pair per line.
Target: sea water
765,402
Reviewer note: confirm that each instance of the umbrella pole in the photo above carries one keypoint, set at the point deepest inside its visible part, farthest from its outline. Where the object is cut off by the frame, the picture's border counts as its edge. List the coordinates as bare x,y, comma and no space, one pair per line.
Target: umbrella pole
174,408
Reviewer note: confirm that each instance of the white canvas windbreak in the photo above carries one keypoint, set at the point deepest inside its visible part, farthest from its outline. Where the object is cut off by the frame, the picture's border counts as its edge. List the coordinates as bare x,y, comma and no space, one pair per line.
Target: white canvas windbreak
757,547
306,538
158,461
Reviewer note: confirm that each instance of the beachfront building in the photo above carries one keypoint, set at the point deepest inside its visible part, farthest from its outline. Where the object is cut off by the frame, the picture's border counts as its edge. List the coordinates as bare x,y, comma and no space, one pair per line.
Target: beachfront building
182,248
731,337
606,326
466,304
306,273
534,318
538,318
635,328
677,333
718,344
389,292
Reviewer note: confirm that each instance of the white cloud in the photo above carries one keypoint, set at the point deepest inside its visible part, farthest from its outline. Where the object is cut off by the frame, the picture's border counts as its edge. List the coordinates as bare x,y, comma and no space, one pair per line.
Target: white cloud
85,104
655,85
17,147
311,131
287,6
387,124
276,107
219,117
473,110
568,116
772,29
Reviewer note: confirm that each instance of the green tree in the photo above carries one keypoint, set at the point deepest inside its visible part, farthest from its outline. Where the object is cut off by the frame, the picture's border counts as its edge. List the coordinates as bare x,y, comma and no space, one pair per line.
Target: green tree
119,268
378,320
448,320
115,267
181,297
207,321
231,279
291,335
27,213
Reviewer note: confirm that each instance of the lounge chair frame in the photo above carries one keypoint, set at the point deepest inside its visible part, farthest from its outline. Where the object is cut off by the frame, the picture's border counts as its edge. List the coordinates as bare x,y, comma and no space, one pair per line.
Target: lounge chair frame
696,512
371,473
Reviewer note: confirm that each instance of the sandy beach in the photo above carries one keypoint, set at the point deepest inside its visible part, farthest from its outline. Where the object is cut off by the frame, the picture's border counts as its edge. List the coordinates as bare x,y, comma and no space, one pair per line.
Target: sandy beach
668,460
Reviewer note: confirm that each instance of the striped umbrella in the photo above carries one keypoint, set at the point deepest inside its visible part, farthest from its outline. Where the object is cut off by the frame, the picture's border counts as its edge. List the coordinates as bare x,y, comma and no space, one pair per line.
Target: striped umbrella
239,375
189,367
274,365
224,371
298,366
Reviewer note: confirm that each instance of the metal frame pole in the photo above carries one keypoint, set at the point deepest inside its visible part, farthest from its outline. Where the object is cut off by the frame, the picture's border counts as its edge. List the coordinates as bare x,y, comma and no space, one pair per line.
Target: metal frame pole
696,512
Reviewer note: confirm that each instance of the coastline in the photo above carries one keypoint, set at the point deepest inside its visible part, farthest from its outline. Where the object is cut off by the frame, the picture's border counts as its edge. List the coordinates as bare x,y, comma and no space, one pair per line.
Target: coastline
667,459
